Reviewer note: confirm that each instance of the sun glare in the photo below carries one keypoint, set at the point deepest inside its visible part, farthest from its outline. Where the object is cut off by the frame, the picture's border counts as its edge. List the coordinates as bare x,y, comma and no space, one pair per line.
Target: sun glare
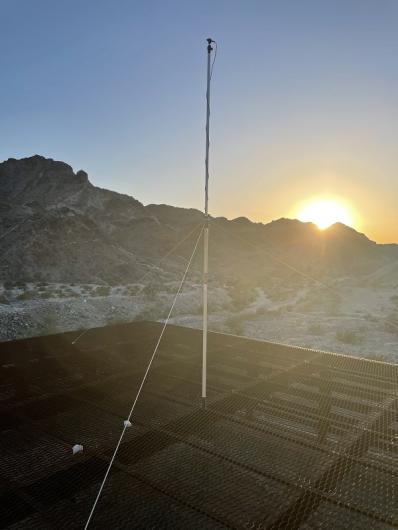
324,213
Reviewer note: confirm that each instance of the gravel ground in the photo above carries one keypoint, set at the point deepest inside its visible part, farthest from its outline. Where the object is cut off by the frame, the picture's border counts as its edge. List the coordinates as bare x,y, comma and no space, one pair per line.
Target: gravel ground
357,327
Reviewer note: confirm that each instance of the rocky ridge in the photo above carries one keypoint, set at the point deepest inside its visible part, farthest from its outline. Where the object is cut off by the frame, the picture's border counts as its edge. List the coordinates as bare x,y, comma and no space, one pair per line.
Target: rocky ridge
57,226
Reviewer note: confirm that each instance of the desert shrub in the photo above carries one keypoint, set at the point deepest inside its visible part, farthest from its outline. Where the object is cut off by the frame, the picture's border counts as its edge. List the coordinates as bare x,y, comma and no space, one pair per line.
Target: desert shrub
278,294
370,318
152,289
270,312
241,296
197,309
377,357
113,319
262,310
68,293
348,336
394,299
49,294
4,300
152,313
315,328
131,290
27,295
391,323
50,324
101,290
170,287
235,323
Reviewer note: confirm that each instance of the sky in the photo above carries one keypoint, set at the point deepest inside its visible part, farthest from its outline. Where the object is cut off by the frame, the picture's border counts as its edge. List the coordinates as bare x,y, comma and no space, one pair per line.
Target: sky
304,101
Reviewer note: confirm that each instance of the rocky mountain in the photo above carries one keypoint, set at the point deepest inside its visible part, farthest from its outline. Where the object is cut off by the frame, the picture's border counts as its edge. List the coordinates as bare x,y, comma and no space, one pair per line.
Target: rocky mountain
56,226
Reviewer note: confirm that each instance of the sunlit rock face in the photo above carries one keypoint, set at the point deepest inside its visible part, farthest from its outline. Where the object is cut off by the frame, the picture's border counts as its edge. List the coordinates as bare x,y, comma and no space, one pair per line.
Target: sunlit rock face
56,226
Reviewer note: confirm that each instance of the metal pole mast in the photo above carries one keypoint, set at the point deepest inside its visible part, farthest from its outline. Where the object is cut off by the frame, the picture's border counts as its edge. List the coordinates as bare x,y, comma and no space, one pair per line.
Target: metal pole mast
206,231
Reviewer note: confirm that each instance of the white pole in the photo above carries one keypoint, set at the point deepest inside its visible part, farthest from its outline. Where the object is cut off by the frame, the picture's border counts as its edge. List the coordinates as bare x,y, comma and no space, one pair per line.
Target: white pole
206,233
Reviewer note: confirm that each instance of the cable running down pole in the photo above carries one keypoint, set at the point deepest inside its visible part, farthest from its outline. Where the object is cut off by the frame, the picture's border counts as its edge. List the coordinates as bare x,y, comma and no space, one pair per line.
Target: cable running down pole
206,229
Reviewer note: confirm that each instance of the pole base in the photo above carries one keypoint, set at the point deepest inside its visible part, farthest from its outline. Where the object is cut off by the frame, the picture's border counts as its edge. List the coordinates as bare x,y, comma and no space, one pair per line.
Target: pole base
204,403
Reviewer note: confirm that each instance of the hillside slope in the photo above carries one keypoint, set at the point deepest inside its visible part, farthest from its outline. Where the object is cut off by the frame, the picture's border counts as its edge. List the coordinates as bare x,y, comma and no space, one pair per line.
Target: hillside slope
56,226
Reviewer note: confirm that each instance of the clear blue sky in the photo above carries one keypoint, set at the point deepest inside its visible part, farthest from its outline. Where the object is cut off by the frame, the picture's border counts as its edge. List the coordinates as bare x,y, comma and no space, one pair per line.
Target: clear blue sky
305,100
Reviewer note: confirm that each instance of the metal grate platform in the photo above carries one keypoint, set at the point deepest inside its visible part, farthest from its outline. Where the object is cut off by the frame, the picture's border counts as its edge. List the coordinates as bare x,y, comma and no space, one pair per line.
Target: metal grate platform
291,438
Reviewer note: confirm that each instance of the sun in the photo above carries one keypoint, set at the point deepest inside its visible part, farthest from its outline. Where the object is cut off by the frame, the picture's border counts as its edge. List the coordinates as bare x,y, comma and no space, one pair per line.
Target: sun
325,212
